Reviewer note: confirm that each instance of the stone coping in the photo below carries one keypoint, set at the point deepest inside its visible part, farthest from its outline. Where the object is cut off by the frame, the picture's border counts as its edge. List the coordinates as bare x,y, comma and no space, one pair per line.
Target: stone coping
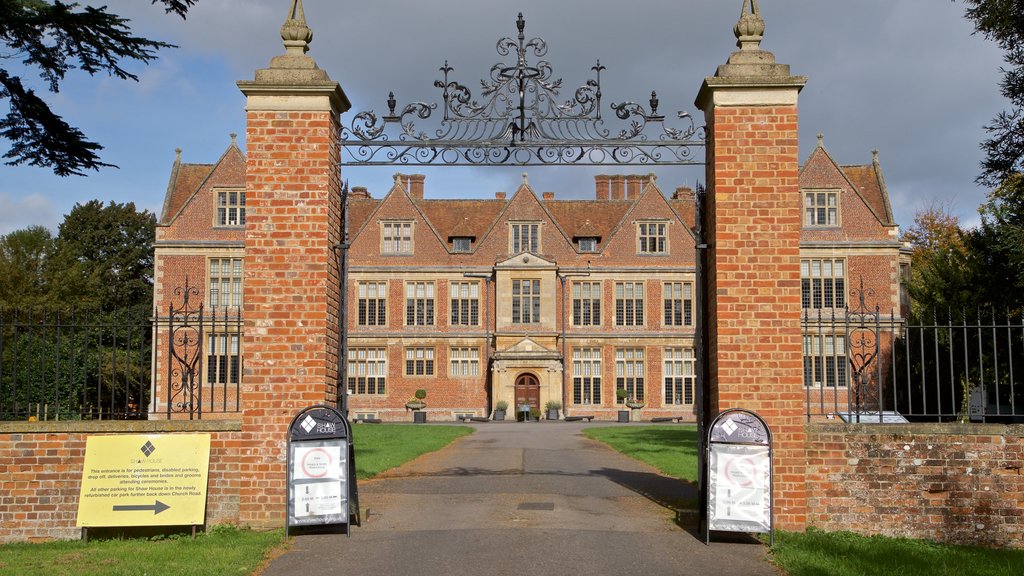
924,428
116,426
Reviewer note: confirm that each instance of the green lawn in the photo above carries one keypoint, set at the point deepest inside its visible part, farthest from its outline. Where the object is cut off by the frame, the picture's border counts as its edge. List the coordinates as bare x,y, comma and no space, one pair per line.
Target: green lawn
224,551
817,553
380,447
673,451
670,449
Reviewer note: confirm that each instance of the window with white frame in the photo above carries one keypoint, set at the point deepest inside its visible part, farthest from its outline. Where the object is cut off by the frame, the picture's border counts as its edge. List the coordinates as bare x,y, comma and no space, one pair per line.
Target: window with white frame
586,376
678,299
821,209
396,238
825,360
225,285
419,303
524,237
372,303
586,303
652,238
367,369
465,303
463,362
823,283
629,373
629,303
230,208
223,362
419,361
679,376
526,301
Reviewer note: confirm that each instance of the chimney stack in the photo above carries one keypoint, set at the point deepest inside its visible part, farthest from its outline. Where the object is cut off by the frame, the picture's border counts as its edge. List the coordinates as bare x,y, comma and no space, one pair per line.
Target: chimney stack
682,193
499,195
549,195
359,192
618,187
602,185
416,185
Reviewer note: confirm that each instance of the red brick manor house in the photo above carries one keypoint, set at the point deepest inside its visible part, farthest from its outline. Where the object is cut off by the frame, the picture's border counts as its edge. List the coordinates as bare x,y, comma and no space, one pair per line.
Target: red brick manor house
516,298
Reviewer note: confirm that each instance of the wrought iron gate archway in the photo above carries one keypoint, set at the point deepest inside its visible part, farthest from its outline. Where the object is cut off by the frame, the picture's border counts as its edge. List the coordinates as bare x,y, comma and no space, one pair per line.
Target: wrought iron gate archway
518,121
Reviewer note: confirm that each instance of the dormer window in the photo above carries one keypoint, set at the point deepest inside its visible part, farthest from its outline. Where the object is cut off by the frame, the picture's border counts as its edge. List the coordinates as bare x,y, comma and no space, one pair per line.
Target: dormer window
588,244
462,244
231,208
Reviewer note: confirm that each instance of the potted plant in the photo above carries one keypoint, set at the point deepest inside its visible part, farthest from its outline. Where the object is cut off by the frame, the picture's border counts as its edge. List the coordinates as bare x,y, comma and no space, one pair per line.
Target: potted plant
552,407
634,408
499,410
621,395
534,415
417,404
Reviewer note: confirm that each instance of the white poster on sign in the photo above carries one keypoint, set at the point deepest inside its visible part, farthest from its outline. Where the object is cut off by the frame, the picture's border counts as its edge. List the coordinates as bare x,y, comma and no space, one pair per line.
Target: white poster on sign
739,488
317,462
318,499
318,487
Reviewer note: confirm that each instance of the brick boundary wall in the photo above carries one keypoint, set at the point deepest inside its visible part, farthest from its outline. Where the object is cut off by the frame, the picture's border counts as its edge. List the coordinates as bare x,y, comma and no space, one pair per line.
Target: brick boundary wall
955,483
41,472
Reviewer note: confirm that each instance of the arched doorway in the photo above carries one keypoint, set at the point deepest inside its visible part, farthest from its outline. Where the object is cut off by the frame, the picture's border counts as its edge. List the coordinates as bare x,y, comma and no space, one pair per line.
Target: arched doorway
527,391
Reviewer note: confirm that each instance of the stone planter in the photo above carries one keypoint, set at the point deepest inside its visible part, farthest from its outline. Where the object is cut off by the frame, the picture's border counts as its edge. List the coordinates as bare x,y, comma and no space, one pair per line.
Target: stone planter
498,415
553,414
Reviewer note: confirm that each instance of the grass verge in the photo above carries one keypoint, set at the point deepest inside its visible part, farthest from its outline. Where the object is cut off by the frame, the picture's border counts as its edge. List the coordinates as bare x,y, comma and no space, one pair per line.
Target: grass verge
380,447
816,553
670,449
224,551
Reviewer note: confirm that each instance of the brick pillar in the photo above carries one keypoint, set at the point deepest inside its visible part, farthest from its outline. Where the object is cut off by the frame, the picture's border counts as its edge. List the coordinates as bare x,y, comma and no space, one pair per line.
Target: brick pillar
291,285
753,230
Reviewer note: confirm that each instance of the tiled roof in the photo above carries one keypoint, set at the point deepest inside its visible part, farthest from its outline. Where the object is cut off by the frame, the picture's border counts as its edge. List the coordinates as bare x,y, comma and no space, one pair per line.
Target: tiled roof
359,210
588,218
466,218
870,186
185,180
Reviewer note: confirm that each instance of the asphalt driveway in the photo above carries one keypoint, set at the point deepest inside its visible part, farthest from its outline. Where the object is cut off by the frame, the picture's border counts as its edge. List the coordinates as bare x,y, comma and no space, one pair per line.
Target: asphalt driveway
537,498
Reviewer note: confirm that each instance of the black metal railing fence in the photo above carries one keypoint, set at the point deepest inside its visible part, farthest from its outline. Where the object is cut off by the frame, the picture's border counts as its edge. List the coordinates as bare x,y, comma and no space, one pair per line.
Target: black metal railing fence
966,366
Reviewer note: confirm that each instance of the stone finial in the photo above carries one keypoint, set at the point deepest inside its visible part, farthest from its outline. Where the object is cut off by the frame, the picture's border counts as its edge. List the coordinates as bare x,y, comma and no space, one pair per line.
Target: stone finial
874,156
525,179
177,154
749,30
821,140
295,33
234,138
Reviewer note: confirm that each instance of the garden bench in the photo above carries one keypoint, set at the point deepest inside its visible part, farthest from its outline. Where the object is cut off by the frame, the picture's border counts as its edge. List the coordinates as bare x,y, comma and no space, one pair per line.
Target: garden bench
677,419
578,418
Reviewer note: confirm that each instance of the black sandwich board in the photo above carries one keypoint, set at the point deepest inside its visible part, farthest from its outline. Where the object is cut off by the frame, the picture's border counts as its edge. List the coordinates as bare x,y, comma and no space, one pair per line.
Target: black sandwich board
321,470
739,474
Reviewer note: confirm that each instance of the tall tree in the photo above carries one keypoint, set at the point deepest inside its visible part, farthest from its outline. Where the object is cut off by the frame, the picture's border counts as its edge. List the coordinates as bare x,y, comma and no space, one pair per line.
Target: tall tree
103,260
1002,21
942,263
24,258
53,38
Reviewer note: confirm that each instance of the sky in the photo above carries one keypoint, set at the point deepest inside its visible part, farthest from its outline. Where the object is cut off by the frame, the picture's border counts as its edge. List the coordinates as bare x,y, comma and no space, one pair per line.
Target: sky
905,77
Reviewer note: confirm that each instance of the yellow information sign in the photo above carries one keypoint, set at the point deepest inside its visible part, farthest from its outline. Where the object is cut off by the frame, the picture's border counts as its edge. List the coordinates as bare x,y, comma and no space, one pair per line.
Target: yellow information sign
144,480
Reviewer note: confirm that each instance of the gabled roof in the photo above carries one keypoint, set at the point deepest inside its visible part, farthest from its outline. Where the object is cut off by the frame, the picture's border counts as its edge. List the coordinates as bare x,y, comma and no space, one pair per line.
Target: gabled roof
867,180
187,179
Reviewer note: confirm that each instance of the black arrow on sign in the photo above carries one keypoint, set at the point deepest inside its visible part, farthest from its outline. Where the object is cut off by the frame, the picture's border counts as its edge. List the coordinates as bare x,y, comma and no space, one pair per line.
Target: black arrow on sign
157,508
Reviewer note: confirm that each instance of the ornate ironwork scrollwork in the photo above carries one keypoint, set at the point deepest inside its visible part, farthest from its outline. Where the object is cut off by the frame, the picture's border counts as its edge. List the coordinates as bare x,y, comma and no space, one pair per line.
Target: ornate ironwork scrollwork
519,119
185,326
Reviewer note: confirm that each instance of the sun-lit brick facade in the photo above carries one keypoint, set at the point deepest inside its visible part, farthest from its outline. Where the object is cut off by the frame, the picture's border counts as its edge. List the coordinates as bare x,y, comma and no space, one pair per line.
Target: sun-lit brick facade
601,293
